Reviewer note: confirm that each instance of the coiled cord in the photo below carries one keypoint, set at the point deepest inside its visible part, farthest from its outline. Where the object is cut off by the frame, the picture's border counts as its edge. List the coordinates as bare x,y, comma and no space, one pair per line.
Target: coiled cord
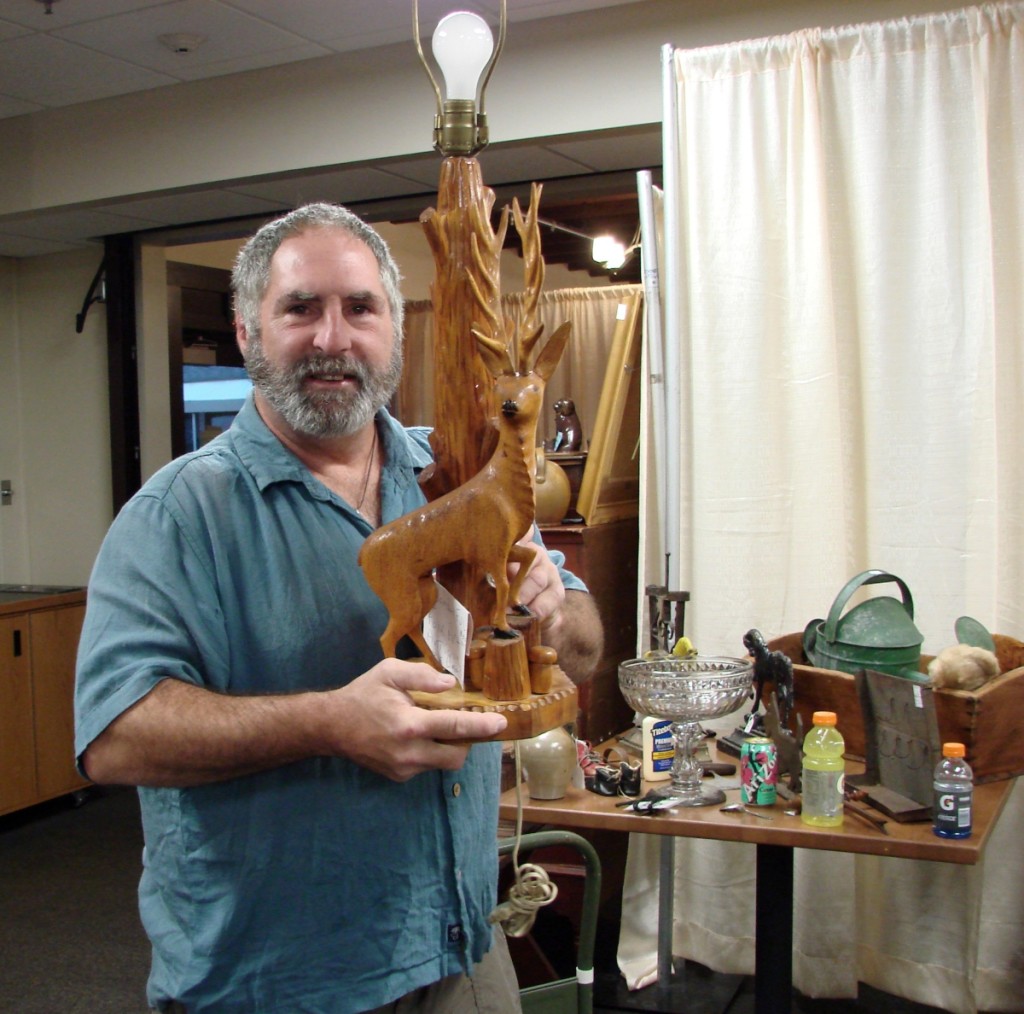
532,890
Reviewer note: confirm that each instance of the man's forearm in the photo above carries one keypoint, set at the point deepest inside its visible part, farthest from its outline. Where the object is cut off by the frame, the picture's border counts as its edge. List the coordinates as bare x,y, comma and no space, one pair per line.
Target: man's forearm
577,635
180,734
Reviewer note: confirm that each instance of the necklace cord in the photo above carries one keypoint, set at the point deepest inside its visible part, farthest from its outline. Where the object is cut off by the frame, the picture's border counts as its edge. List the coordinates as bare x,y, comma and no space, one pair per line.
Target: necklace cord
369,468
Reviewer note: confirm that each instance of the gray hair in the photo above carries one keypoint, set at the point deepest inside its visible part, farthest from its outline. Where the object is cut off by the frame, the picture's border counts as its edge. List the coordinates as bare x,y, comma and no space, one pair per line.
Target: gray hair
251,273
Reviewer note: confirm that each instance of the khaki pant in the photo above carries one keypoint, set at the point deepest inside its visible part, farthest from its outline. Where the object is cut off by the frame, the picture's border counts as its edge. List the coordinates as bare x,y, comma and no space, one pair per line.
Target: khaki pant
493,989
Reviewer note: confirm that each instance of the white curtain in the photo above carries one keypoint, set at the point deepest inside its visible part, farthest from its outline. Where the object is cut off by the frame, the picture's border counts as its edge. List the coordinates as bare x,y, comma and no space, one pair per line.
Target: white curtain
850,299
579,376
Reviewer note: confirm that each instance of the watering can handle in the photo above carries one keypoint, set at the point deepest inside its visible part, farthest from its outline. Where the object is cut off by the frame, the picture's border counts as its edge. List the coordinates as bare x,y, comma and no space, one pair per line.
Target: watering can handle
866,577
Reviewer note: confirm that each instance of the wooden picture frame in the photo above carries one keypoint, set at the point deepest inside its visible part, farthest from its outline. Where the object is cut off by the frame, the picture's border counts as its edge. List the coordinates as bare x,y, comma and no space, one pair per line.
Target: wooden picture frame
610,487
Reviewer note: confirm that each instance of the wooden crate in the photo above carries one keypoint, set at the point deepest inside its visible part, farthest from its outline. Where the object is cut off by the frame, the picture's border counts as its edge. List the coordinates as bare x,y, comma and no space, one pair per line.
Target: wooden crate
987,721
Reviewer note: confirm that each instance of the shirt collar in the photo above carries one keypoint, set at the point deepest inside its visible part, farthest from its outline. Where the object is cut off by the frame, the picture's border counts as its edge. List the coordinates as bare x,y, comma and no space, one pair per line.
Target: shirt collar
269,461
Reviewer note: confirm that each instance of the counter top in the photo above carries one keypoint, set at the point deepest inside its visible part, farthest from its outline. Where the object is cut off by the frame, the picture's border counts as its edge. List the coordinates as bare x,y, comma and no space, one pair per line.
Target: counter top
23,598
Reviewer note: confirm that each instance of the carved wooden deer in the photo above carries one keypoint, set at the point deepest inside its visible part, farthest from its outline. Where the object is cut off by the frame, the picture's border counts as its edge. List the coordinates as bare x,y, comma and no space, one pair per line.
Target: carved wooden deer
481,521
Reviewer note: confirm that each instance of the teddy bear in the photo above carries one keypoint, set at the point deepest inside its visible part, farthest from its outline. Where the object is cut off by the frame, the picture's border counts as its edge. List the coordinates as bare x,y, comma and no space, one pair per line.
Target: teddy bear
962,667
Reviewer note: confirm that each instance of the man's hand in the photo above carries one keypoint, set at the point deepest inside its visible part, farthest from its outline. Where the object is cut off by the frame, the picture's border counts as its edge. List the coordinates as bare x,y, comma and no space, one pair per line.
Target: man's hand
569,621
379,726
542,591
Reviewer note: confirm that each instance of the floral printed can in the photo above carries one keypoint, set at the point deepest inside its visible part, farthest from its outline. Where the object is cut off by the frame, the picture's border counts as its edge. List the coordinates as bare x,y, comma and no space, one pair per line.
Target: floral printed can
759,771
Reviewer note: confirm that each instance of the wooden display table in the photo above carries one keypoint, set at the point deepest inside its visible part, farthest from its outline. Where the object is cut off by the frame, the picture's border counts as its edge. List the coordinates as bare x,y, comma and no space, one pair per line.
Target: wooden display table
775,841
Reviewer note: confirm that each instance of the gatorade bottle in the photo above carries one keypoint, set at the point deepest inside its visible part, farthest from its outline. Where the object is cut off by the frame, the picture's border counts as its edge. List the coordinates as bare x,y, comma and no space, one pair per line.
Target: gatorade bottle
823,773
954,790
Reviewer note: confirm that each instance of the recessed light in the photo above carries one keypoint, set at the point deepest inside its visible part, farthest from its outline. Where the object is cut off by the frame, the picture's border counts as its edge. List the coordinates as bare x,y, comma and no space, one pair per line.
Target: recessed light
182,42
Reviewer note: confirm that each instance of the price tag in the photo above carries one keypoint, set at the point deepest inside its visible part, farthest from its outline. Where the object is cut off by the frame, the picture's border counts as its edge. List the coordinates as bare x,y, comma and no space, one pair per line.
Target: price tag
446,630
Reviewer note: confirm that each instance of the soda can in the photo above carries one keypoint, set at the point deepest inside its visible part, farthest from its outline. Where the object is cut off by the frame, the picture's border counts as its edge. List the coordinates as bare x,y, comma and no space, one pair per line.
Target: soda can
759,771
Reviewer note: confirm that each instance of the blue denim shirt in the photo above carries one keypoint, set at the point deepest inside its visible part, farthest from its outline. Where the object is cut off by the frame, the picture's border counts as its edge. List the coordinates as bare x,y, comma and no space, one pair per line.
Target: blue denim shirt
319,886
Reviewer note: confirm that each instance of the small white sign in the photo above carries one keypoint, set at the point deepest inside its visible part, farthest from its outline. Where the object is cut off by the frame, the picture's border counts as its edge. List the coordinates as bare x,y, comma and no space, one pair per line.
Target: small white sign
446,630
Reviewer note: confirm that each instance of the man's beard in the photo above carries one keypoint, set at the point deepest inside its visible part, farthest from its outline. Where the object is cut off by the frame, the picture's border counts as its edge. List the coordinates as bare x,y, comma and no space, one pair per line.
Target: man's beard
324,413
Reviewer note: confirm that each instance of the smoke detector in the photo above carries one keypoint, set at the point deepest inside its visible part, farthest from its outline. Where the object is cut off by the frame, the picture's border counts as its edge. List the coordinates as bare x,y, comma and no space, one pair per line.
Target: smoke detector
182,42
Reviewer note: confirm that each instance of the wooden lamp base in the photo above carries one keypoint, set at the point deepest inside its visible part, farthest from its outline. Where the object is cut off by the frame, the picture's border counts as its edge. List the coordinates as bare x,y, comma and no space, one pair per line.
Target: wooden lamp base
527,718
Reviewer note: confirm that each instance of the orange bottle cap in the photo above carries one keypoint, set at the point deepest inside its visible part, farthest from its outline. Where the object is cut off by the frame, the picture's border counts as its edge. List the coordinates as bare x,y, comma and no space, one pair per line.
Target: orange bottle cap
824,718
954,750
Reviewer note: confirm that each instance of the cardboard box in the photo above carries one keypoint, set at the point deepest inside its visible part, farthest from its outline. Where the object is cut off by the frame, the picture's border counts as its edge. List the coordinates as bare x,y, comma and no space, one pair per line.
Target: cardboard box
989,721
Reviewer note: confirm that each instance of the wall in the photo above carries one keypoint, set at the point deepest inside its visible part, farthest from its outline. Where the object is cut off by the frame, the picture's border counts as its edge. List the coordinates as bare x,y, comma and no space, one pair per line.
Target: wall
53,411
54,429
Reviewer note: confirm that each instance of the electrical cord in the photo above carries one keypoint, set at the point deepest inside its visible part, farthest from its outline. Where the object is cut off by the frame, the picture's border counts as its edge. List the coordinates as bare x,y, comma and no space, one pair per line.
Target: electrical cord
532,890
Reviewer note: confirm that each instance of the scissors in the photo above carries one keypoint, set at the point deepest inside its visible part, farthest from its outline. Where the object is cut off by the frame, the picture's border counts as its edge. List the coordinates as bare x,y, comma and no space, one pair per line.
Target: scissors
650,803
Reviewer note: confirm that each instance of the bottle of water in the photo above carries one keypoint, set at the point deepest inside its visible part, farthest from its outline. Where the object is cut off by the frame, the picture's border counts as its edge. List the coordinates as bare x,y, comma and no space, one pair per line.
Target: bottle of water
954,791
823,773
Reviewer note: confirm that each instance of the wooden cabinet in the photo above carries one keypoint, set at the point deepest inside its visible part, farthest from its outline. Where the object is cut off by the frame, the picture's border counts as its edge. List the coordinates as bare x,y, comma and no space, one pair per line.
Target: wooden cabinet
604,557
17,737
38,645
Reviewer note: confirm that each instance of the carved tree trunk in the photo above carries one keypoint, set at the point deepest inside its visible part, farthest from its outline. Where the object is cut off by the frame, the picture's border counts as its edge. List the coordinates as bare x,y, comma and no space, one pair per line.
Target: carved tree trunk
466,252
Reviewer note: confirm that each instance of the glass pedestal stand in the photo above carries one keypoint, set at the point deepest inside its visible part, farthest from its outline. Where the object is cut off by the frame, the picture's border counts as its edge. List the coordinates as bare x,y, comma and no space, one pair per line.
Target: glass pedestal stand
687,783
686,691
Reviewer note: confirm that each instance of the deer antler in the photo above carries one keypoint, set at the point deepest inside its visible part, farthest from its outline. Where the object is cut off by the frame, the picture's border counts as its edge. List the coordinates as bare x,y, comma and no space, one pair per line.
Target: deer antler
492,333
528,228
495,354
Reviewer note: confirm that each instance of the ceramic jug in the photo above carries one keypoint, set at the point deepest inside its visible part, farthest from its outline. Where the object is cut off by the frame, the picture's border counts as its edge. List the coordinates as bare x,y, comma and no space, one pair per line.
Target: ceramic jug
553,491
548,760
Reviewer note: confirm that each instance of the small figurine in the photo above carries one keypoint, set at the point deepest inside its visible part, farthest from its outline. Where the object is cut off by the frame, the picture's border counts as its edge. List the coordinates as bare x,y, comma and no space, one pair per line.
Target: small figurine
770,667
787,745
568,431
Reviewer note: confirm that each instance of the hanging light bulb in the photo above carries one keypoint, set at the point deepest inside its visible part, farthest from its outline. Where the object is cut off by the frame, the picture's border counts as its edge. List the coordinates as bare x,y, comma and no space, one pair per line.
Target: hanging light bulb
462,45
465,52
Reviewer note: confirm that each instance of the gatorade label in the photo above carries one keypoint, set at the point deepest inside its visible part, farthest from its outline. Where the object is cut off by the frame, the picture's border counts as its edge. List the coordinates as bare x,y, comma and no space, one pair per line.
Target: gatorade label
953,812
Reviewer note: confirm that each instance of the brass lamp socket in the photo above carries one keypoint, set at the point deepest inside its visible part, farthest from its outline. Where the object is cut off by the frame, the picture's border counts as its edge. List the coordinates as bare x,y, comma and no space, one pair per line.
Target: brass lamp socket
459,130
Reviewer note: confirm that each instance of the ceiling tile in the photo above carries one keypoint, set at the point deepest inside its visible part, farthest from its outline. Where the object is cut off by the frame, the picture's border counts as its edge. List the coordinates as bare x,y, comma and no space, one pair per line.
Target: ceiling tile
29,246
208,206
191,71
10,31
64,226
10,106
40,68
70,12
625,150
229,35
346,186
510,165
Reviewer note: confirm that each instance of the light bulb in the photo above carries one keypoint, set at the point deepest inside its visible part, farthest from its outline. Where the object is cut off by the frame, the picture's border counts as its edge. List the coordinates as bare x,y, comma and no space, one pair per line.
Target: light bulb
462,45
607,250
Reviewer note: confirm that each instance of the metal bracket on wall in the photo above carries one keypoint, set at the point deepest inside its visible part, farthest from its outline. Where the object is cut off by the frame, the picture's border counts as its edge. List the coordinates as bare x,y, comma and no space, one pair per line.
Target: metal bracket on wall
97,294
6,493
665,629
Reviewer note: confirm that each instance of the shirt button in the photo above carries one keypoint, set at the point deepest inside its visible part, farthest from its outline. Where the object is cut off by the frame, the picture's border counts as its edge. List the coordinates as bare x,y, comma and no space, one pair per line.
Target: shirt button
456,789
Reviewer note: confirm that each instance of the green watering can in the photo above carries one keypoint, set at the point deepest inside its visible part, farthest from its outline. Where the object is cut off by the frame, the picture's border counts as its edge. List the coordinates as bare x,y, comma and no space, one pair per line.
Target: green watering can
877,634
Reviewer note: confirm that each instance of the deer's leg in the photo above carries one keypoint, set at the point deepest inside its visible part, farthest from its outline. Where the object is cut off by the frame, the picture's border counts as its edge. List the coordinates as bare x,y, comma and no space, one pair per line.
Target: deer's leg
389,639
524,556
427,598
501,589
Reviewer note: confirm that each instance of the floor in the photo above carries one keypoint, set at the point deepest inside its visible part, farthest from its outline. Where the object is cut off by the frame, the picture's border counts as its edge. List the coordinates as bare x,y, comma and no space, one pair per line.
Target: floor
72,943
694,989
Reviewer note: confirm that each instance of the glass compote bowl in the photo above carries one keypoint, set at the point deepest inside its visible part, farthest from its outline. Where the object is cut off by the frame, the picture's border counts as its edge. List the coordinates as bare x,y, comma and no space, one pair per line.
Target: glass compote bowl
686,691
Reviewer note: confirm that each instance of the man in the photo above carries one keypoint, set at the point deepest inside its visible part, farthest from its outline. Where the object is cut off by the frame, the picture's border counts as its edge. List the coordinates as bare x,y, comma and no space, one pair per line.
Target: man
314,841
